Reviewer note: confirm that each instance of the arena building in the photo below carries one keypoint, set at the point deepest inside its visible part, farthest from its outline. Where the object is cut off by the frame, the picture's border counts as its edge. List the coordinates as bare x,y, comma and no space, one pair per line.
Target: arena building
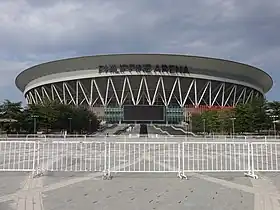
109,83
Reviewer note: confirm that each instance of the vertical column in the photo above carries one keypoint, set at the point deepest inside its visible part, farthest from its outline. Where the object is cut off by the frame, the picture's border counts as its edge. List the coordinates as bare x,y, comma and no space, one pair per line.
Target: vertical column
195,93
77,93
210,93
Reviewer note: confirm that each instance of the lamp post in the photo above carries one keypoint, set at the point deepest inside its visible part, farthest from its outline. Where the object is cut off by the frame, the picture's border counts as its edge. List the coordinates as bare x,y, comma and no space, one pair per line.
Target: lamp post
34,123
2,113
232,120
274,127
204,125
274,117
70,124
89,129
271,114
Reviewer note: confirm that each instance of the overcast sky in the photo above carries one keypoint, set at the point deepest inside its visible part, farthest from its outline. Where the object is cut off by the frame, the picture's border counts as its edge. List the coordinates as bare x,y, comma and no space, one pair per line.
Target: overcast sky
34,31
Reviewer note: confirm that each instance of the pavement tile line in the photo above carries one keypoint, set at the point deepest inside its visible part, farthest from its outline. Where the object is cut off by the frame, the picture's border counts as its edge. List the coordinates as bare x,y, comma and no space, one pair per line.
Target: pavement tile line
81,179
265,193
264,200
30,196
225,183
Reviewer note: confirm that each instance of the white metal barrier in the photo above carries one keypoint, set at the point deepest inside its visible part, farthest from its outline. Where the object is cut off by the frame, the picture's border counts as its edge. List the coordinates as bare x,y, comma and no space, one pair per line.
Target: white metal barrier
71,156
17,155
215,157
139,156
131,138
266,156
143,157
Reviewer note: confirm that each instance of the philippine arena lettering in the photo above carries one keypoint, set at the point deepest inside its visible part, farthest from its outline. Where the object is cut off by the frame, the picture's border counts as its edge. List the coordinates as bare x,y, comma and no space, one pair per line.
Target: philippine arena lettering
143,68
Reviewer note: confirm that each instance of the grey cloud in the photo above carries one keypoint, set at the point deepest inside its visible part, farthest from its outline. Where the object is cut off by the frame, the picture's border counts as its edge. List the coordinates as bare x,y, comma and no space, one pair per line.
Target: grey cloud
33,31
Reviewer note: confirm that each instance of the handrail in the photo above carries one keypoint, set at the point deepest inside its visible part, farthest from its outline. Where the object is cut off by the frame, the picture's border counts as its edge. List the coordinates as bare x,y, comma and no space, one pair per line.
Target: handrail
157,128
186,132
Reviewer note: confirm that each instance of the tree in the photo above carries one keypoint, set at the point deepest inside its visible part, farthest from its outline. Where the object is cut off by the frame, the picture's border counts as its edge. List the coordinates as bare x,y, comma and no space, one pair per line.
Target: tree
63,113
226,117
11,110
57,117
50,117
261,120
244,118
252,117
208,119
196,123
46,115
84,120
274,107
212,122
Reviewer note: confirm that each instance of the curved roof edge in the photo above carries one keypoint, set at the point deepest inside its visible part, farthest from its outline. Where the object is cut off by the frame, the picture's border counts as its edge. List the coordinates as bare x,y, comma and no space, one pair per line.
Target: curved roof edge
19,76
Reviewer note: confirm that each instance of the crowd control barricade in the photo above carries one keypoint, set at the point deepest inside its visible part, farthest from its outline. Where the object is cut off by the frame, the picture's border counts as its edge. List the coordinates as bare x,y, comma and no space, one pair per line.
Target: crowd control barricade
72,156
144,157
265,156
215,157
141,156
18,156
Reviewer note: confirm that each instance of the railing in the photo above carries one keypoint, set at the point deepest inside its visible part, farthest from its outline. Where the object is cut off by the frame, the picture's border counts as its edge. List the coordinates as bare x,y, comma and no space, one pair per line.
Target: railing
162,131
155,157
182,130
266,156
215,157
71,156
91,137
113,156
18,155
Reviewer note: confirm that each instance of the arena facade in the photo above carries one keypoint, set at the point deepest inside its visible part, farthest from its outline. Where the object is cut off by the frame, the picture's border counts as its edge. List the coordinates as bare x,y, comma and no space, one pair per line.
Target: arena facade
180,83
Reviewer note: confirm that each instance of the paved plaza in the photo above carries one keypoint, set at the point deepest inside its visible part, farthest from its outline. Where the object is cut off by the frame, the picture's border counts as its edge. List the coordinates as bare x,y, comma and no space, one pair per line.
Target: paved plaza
66,190
72,176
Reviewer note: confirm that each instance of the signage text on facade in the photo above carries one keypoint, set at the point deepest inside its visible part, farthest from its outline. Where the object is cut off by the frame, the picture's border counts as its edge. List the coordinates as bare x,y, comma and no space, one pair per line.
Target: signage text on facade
142,68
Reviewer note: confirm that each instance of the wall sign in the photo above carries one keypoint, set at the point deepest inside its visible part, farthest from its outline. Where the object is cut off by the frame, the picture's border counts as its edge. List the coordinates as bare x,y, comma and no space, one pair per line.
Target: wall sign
143,68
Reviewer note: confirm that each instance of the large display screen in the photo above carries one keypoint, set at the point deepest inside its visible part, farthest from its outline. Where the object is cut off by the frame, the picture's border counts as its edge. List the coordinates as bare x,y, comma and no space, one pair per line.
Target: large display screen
144,113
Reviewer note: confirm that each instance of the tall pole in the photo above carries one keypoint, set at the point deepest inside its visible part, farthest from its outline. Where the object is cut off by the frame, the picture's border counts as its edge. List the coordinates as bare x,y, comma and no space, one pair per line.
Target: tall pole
270,113
274,124
274,127
89,129
232,120
204,126
232,128
34,123
1,128
34,120
70,124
